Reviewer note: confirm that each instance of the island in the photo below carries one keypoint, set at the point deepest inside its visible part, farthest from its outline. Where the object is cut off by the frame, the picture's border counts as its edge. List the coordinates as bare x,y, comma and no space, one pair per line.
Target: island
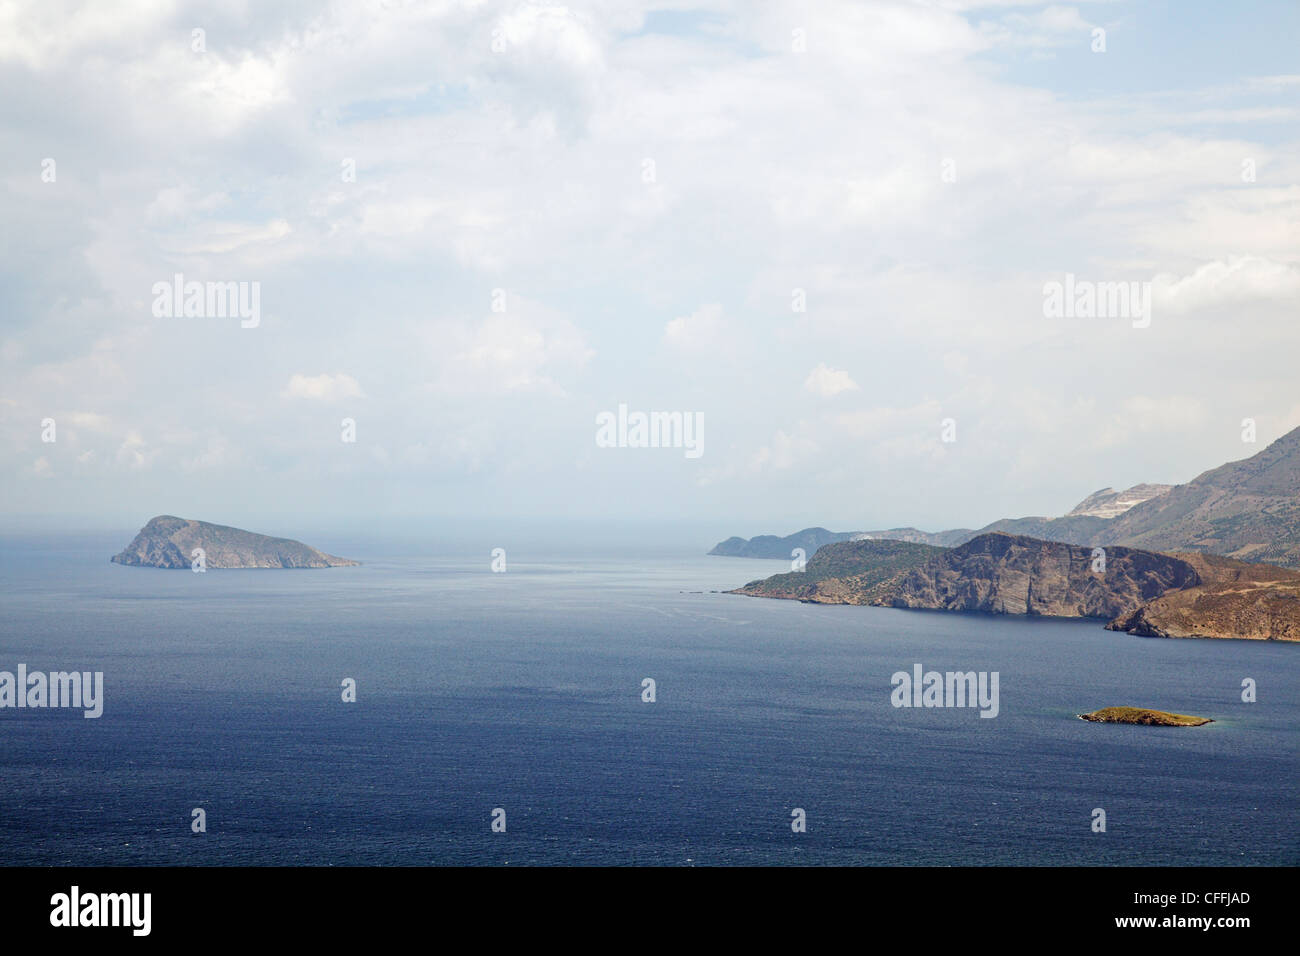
170,542
1144,716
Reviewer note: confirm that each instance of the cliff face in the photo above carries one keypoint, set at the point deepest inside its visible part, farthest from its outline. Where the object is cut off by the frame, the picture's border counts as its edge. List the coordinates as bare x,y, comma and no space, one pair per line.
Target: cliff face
1009,574
1235,599
168,542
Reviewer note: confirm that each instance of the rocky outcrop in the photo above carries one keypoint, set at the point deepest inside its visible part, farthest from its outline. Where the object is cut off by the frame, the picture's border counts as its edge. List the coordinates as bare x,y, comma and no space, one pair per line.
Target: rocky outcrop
1109,503
170,542
1235,600
1010,574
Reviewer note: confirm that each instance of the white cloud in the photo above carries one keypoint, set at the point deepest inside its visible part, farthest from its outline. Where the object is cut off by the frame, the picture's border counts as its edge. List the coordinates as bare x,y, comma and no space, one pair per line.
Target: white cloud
1238,280
784,451
323,387
701,330
527,348
522,169
829,382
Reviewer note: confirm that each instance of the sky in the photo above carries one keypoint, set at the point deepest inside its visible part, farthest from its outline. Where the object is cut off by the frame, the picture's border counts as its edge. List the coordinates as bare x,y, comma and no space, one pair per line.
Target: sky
823,231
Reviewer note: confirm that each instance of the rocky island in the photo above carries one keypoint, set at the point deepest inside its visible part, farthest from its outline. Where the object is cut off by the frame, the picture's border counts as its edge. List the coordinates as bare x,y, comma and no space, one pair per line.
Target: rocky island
1143,716
170,542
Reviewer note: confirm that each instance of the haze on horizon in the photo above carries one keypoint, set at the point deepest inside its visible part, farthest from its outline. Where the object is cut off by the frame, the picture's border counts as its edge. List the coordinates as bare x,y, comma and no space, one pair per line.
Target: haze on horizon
556,210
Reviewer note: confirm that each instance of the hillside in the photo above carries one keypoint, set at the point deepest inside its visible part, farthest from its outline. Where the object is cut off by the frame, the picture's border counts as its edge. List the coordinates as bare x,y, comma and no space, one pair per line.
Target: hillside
1247,509
847,572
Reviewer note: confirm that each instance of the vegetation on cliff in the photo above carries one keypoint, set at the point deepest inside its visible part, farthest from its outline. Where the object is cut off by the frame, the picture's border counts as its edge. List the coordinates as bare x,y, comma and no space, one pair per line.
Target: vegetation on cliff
848,572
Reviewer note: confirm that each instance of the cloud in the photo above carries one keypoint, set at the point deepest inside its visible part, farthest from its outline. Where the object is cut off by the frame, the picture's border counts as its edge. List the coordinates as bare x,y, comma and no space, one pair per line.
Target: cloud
133,453
828,382
702,330
784,451
528,348
521,167
323,387
1238,280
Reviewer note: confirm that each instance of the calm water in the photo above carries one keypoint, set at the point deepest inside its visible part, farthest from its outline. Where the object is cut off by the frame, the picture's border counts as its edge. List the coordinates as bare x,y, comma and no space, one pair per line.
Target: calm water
523,691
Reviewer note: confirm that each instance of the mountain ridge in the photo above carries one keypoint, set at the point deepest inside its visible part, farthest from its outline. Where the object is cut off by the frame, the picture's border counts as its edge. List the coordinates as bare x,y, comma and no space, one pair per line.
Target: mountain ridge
1247,509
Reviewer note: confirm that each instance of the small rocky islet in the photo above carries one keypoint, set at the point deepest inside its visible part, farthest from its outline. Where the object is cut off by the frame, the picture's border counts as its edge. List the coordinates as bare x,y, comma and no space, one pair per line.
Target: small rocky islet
1143,716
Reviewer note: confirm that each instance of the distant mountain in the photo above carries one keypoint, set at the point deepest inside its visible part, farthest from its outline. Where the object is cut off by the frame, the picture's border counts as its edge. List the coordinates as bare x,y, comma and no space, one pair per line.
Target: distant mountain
811,539
1078,529
169,542
1109,503
1248,509
1080,526
937,539
770,546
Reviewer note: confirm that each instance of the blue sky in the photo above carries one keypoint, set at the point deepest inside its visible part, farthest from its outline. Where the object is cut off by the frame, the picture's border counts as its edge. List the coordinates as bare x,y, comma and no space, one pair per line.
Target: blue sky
647,185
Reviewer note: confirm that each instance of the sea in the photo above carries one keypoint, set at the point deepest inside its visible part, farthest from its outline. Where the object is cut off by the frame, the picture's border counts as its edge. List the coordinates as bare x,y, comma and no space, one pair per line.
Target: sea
503,717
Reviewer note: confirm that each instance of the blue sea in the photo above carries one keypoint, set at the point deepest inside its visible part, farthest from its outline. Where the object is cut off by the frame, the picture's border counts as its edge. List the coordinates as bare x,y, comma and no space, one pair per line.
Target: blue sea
522,691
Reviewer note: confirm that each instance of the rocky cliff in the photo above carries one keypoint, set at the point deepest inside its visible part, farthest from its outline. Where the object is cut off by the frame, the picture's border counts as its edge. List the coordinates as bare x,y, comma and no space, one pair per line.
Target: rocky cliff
169,542
1234,599
1010,574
